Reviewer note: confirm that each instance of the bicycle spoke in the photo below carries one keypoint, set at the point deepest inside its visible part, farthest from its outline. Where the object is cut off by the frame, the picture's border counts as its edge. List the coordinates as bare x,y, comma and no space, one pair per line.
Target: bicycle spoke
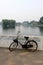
33,44
12,46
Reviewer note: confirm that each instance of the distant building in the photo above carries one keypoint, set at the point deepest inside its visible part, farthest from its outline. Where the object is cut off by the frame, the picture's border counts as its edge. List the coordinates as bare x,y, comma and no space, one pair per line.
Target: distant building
25,23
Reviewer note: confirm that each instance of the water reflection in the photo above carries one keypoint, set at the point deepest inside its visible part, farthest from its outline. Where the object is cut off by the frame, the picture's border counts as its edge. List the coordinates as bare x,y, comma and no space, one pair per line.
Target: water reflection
25,30
31,31
41,30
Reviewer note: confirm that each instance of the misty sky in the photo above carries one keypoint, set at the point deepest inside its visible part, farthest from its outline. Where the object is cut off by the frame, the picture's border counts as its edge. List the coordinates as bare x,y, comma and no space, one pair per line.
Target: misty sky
21,10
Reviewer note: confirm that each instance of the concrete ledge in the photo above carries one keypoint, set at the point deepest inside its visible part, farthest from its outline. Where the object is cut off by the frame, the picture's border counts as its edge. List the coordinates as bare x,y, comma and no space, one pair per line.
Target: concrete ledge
6,40
18,49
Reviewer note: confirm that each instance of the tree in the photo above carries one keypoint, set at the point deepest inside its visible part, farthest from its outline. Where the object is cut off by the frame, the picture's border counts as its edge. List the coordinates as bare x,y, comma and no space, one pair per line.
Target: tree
41,20
8,23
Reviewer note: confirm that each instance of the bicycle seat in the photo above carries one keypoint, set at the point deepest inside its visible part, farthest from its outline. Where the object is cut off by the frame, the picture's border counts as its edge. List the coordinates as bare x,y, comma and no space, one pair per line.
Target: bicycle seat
26,37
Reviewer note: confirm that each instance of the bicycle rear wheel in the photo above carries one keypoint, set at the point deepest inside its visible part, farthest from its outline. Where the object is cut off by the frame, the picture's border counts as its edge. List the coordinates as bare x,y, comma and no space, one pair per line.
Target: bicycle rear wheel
12,46
33,45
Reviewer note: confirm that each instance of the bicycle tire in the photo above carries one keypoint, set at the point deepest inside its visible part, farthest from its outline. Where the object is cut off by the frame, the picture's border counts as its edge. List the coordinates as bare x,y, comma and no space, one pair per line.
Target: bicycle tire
35,45
12,46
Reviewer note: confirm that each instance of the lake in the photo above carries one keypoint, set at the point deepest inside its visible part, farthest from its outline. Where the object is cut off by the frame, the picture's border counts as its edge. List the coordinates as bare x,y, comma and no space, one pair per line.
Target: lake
24,30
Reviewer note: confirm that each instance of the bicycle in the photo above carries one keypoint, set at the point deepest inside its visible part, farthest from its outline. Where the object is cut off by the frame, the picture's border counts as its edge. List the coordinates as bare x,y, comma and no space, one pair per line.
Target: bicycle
28,44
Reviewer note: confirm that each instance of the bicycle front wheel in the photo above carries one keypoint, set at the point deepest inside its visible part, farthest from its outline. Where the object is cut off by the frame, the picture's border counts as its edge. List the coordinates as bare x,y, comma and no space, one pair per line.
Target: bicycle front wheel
33,45
12,46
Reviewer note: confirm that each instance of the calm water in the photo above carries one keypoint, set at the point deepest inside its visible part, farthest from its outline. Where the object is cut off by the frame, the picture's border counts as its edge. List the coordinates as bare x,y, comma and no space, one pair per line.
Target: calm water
30,31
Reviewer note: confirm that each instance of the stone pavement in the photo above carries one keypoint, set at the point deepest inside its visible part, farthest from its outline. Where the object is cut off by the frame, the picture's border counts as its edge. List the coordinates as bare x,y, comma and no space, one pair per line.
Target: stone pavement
20,57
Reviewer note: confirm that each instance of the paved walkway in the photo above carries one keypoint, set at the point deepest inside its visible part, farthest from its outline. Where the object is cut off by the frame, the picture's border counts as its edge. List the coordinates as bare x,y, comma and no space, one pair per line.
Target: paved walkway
20,57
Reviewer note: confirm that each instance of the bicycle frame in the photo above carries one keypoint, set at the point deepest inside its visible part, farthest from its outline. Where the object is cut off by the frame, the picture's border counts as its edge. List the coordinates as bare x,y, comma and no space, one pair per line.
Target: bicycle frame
18,42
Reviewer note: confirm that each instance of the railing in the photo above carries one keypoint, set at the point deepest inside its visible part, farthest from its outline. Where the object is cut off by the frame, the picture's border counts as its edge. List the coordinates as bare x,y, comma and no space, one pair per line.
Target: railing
5,40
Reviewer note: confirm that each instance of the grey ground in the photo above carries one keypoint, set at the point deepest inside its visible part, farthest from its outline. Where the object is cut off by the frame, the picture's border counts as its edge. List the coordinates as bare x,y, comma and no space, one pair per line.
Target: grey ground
20,57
